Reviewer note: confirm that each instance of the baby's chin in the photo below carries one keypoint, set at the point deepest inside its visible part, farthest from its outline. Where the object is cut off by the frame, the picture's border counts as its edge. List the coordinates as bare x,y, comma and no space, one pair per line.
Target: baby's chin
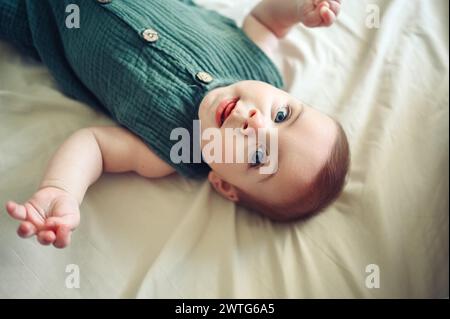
201,108
205,110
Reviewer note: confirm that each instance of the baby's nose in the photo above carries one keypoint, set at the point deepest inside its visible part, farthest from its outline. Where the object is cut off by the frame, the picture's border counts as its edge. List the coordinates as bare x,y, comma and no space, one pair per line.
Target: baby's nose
254,120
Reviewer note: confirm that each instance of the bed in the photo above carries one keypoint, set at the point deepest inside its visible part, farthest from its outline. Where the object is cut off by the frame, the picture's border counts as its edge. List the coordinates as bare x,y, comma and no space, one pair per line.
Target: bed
385,77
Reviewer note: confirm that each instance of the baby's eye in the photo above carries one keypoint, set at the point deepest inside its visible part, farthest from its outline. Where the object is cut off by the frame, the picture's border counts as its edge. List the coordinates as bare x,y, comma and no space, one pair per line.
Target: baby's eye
258,158
282,114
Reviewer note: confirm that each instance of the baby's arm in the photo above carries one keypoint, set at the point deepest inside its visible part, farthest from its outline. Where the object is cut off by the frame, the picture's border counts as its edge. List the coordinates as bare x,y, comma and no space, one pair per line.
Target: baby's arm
53,211
271,20
82,158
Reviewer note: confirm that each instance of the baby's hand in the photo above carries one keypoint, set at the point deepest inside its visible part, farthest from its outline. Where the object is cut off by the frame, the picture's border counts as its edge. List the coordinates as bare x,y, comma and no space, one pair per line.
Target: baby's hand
51,214
319,13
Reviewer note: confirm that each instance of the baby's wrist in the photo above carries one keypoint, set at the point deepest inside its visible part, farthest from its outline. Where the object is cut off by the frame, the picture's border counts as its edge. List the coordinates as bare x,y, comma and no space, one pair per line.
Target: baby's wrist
53,183
58,184
279,16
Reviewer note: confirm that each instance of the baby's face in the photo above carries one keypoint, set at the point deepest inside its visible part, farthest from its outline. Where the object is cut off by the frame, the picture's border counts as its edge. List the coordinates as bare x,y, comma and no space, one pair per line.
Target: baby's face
304,138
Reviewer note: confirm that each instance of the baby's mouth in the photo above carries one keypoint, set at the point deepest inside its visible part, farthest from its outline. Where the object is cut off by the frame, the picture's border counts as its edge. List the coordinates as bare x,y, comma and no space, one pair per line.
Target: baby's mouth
224,110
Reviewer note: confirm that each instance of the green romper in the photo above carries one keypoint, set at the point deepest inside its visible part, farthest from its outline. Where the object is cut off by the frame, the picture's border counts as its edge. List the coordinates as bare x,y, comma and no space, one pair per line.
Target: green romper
147,64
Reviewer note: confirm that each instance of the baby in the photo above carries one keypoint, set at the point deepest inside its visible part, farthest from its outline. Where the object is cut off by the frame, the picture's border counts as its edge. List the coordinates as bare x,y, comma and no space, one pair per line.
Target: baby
158,65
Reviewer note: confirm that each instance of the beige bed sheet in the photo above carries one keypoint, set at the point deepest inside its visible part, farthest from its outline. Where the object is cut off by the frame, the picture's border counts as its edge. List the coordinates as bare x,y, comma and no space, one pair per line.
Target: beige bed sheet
176,238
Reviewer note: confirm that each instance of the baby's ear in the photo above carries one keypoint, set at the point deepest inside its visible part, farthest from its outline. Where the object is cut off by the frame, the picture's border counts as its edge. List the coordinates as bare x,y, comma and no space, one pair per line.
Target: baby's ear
223,187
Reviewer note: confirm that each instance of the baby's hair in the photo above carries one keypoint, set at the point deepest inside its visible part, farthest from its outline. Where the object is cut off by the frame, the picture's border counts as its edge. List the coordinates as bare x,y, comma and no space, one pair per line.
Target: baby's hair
322,191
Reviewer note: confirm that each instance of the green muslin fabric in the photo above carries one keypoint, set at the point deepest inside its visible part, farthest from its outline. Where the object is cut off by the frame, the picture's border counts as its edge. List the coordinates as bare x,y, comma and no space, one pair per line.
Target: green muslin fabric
148,64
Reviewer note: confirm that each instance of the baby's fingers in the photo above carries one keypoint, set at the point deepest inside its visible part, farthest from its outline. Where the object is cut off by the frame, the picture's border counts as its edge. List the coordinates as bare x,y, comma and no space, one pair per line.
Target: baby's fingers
62,226
335,6
26,229
46,237
16,211
26,212
71,221
327,15
63,235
